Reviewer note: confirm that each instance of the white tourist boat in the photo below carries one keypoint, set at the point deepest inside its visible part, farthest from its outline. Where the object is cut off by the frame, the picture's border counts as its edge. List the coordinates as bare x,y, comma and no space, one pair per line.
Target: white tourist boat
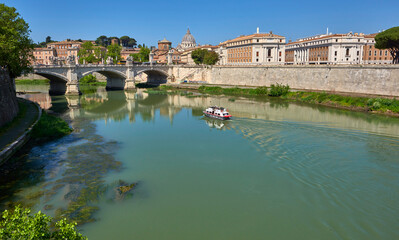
217,112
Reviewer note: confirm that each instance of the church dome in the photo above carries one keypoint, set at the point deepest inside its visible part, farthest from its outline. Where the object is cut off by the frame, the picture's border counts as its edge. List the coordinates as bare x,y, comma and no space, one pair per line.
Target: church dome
188,38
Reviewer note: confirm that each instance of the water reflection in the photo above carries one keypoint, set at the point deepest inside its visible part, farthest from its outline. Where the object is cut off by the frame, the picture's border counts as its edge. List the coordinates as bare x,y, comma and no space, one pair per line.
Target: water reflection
304,167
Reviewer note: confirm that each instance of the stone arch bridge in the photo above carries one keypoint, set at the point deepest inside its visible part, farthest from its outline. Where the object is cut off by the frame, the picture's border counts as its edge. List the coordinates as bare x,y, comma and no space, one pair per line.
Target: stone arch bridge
65,79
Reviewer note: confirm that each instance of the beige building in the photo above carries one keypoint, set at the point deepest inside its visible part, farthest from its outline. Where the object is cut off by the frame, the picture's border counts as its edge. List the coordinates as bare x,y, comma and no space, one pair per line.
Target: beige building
160,55
126,52
326,49
65,48
44,56
258,48
372,55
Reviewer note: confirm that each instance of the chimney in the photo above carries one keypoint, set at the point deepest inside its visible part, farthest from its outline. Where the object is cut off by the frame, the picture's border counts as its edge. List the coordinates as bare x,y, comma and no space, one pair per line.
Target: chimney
257,30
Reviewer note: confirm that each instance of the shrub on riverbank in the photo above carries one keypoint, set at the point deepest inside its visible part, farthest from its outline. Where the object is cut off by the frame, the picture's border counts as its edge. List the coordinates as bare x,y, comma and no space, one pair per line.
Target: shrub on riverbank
50,128
368,104
274,91
91,80
32,81
20,224
278,90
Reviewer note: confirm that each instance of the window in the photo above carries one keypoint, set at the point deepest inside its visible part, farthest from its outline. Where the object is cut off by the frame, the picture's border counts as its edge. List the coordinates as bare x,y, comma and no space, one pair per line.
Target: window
257,40
358,53
347,52
380,52
279,54
257,60
386,53
257,54
369,53
336,40
336,53
269,52
375,53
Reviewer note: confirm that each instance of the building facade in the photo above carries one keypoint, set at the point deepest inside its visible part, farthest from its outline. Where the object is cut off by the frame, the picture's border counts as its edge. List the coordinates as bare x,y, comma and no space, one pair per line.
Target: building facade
330,48
372,55
326,49
44,56
258,48
160,55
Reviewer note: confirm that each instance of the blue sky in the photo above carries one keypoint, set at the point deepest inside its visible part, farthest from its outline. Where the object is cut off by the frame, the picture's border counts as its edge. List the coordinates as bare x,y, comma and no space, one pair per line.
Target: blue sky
210,22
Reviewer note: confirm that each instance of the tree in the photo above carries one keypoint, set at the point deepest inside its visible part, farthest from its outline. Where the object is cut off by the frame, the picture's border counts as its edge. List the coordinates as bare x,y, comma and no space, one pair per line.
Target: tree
48,39
128,41
389,39
86,53
142,56
19,224
198,55
102,41
114,51
211,58
15,44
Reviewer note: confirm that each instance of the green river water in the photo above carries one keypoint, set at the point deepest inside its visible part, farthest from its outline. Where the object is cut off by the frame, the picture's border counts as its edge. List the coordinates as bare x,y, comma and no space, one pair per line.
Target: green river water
276,171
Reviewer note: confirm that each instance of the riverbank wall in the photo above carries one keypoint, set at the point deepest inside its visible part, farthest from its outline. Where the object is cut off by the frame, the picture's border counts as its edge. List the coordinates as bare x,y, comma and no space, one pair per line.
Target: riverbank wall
352,79
14,145
8,99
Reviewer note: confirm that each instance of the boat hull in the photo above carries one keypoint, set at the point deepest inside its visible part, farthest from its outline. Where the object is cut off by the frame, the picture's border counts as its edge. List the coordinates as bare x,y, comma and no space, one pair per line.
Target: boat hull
216,116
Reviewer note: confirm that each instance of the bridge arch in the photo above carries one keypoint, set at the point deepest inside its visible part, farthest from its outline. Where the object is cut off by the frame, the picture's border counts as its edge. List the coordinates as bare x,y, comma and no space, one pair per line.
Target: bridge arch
155,76
115,79
57,82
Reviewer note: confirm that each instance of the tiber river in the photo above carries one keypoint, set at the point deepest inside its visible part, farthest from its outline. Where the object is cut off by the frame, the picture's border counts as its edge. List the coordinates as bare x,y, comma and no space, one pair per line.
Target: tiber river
276,171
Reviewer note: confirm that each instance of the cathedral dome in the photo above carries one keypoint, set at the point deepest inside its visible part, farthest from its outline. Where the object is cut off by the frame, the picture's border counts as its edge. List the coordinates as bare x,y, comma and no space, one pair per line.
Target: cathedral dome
188,39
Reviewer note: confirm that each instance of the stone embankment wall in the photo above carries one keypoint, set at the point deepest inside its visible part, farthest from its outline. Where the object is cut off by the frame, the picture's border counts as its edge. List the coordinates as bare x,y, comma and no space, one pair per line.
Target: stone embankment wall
8,100
357,79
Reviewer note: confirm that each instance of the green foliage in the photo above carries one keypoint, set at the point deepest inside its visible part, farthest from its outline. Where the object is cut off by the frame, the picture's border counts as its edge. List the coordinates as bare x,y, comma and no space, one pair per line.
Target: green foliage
102,41
368,104
211,58
261,91
50,127
278,90
89,53
198,55
114,51
128,41
203,56
15,45
91,80
20,224
142,56
389,39
32,81
48,39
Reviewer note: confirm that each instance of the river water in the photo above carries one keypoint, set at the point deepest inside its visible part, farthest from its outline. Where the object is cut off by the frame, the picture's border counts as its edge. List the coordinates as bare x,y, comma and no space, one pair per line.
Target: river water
276,171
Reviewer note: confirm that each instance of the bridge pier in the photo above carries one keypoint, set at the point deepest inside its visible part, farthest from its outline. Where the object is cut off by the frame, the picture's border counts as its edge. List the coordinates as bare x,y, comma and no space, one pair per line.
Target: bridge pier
129,82
73,88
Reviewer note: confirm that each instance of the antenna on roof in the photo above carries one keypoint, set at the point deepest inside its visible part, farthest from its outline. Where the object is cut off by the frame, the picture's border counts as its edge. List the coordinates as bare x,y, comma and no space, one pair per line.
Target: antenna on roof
257,30
327,30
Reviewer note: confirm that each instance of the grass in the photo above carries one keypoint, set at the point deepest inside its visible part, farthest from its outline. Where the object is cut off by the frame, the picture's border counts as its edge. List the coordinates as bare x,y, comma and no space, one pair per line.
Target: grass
49,128
32,81
275,90
382,105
